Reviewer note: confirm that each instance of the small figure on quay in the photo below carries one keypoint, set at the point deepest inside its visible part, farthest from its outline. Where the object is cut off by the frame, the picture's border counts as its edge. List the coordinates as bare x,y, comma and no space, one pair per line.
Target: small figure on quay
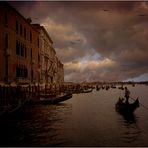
127,93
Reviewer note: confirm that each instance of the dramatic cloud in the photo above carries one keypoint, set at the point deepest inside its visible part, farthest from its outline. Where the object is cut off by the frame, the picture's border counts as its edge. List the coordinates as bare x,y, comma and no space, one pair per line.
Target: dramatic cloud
96,41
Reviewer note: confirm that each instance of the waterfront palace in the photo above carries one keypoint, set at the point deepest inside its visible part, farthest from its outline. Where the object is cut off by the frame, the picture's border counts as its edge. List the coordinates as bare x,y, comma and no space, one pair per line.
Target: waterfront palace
26,51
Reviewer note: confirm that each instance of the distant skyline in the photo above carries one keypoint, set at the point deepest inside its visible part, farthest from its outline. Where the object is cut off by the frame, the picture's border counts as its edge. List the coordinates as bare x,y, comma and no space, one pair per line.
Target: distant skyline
96,41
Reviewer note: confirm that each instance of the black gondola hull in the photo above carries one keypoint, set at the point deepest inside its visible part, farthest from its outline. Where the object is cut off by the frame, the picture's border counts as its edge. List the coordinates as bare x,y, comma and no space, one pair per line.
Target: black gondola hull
124,108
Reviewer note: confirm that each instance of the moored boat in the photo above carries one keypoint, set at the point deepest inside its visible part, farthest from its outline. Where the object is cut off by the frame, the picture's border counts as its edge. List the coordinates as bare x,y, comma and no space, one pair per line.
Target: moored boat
11,108
125,108
52,100
79,91
87,90
98,88
113,86
121,87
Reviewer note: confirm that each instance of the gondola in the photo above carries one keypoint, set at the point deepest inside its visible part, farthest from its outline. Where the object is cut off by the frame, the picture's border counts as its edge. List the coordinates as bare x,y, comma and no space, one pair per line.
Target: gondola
52,100
125,108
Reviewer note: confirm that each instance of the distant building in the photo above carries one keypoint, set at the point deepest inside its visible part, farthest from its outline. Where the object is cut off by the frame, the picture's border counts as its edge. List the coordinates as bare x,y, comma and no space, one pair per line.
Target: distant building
60,72
26,52
51,69
47,55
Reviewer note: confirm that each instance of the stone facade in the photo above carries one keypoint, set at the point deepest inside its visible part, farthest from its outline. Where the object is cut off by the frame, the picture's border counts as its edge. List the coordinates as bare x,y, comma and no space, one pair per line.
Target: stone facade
26,52
60,71
47,55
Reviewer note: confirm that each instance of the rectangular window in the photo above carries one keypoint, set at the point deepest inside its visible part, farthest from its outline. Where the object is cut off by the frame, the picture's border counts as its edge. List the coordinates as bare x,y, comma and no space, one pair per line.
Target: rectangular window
23,67
6,41
20,29
25,33
6,68
17,26
25,52
31,53
22,50
21,71
31,75
17,48
25,72
17,71
30,36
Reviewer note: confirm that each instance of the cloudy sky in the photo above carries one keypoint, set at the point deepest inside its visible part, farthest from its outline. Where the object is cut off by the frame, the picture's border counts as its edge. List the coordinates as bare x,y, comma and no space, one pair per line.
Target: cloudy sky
96,41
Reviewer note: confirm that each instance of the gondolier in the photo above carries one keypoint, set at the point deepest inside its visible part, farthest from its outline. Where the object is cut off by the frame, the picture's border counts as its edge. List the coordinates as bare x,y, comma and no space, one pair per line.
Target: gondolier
126,108
127,93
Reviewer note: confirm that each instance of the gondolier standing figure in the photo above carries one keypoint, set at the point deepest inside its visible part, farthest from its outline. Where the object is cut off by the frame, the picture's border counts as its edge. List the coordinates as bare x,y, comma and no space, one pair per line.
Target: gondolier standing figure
127,93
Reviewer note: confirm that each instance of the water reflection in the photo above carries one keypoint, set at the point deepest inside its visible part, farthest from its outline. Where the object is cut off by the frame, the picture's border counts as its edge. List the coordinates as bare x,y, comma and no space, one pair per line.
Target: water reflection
130,129
129,118
84,120
39,126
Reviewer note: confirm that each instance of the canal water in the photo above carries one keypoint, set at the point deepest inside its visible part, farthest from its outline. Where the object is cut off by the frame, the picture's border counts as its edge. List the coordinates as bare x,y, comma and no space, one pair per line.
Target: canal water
88,119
